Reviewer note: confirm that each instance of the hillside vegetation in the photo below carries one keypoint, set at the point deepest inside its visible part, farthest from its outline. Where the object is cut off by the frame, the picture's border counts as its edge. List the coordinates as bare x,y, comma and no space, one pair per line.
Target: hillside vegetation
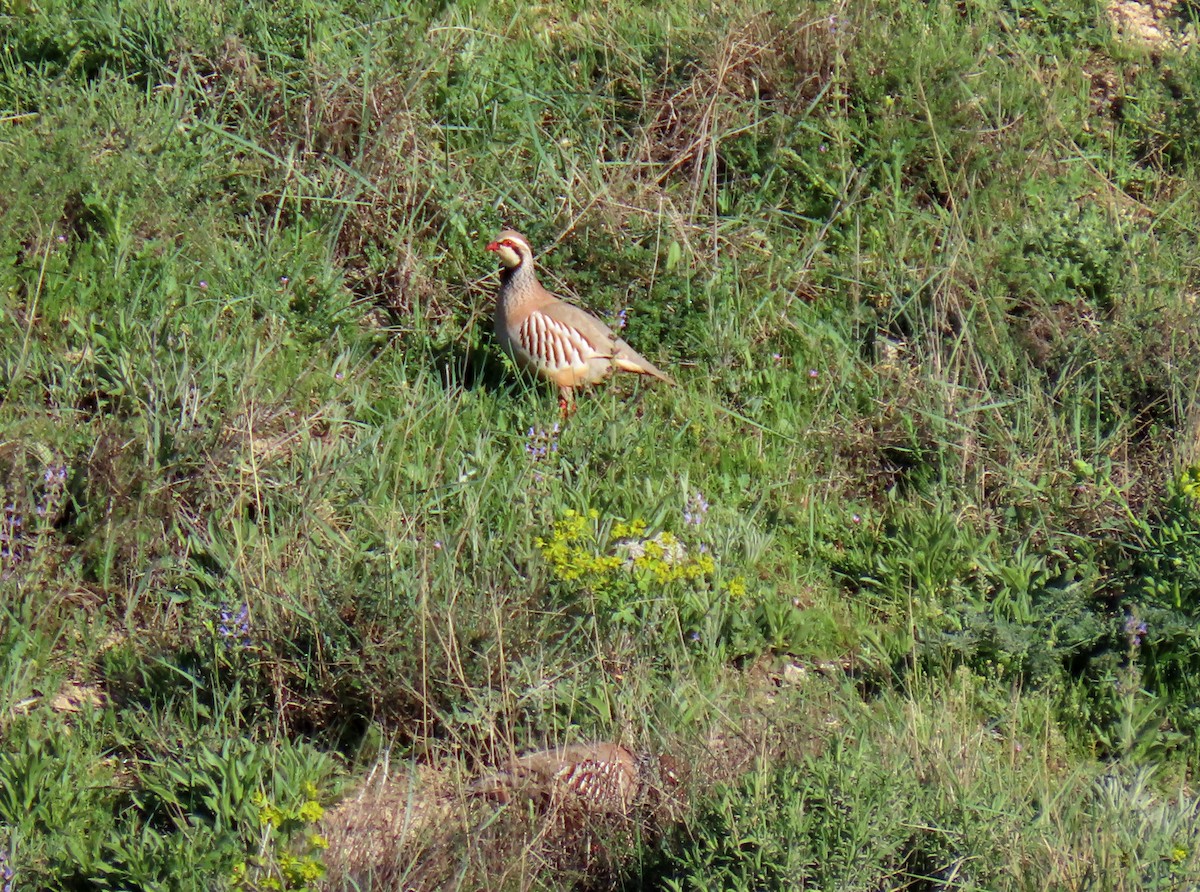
904,574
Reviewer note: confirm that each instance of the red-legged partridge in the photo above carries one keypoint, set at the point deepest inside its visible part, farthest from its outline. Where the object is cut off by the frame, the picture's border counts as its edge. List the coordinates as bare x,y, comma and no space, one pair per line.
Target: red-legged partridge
591,777
557,341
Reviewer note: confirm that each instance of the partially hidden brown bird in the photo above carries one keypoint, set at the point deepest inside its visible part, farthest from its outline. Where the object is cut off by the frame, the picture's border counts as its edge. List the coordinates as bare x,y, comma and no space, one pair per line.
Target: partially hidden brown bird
601,778
559,342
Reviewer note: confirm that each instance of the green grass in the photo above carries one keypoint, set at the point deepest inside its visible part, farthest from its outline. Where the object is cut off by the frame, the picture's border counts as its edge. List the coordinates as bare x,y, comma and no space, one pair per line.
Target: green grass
273,536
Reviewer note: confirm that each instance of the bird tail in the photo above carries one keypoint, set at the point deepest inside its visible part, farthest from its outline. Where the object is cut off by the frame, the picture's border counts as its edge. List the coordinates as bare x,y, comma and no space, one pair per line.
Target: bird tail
629,361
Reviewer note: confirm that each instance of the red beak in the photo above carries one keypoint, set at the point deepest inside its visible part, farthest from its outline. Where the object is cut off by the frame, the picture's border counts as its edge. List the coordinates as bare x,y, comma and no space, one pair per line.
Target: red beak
494,246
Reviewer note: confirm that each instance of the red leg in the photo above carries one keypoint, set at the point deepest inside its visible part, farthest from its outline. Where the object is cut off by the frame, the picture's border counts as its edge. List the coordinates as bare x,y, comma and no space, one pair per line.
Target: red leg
566,402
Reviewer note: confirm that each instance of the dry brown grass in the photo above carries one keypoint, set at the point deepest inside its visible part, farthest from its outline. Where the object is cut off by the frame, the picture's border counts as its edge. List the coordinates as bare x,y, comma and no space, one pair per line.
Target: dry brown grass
382,830
763,64
420,828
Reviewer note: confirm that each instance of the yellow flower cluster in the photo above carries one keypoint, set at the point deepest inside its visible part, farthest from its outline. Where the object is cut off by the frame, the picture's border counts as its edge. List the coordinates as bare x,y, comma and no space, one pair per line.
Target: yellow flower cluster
299,871
632,529
1189,482
292,870
573,551
309,812
570,549
665,558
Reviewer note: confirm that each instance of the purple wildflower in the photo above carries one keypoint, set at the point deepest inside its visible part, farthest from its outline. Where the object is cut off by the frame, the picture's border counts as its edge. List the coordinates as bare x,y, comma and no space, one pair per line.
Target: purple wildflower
541,443
235,629
12,546
1135,630
695,510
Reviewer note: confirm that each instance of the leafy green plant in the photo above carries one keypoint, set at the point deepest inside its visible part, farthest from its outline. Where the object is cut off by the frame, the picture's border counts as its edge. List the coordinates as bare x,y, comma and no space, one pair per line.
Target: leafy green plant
1163,646
819,822
218,784
1140,733
39,788
1161,852
1067,253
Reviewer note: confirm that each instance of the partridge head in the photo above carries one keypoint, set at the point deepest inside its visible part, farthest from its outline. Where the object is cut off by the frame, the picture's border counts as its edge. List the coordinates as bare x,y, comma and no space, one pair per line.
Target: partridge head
555,340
